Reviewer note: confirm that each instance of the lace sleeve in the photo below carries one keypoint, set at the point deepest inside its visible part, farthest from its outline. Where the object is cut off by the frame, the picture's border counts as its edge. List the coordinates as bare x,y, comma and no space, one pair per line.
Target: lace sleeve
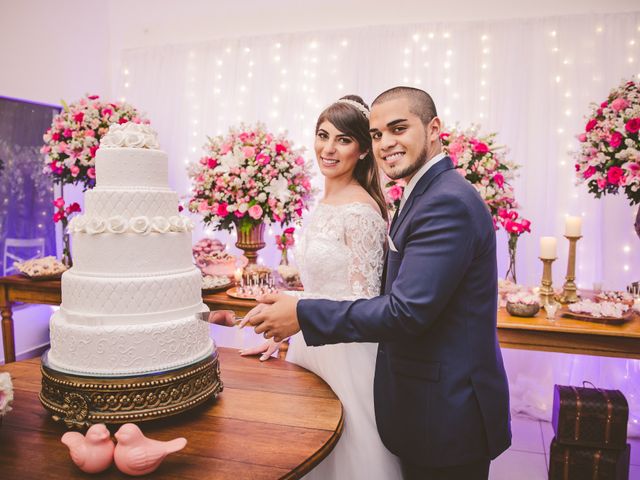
365,235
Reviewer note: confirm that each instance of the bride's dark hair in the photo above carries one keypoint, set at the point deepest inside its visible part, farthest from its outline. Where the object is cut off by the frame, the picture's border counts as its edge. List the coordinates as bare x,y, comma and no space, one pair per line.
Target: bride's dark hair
351,121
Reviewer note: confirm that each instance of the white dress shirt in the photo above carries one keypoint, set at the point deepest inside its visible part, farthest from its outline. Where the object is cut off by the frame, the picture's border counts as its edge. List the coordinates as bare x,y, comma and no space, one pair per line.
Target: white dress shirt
419,174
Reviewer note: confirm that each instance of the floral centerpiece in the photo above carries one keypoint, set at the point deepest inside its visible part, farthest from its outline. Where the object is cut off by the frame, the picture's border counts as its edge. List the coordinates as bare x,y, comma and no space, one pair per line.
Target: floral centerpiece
74,137
608,160
6,394
247,178
515,226
62,215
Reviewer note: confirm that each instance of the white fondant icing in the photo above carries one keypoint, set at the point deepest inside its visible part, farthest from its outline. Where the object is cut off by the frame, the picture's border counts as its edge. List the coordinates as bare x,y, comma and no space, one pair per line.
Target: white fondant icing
127,349
130,254
131,167
120,301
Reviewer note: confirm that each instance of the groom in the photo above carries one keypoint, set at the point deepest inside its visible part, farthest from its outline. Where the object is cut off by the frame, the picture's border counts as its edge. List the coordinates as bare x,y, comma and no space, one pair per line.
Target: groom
441,393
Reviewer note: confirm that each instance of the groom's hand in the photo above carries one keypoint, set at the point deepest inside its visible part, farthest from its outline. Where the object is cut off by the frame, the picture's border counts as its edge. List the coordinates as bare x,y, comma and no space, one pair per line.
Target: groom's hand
275,317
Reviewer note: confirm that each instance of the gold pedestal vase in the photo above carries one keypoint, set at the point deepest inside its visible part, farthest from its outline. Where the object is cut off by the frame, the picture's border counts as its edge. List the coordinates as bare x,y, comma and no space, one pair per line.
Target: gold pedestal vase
250,239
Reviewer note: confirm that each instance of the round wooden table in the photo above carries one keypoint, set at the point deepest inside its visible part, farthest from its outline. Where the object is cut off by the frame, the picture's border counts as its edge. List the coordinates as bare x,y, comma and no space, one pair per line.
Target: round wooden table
273,420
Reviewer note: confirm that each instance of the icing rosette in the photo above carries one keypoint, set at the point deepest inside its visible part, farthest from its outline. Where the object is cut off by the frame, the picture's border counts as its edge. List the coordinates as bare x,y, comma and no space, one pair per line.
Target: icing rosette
130,135
117,224
95,225
160,225
140,225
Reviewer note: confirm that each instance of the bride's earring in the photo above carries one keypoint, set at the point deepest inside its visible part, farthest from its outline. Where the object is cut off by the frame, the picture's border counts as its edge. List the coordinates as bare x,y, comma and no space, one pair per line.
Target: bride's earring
363,155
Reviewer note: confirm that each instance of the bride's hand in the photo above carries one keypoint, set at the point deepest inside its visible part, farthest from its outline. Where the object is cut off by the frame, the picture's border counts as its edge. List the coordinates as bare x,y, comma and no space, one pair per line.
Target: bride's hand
266,349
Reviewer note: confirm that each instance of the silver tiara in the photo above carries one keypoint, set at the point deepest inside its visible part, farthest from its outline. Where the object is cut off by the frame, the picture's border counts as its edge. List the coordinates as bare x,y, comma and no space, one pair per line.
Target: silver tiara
361,108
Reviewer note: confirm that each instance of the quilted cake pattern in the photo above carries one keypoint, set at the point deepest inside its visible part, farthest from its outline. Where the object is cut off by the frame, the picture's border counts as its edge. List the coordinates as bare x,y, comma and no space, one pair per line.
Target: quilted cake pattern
150,203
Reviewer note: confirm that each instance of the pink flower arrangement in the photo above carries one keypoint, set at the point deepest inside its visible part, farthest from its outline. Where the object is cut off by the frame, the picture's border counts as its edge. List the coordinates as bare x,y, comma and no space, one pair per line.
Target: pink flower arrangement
285,240
62,214
484,164
248,177
74,137
608,159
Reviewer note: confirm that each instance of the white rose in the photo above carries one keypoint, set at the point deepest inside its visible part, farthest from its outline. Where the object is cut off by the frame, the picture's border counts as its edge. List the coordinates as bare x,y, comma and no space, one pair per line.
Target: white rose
134,139
160,225
176,224
114,138
95,225
117,224
243,207
140,225
262,197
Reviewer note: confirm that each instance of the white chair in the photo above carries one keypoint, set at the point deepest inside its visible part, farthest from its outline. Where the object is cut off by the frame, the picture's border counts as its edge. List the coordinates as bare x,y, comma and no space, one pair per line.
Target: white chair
19,250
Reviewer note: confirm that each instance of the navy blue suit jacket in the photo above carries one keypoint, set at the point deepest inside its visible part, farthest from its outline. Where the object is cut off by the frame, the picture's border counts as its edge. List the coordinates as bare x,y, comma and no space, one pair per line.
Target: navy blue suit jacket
440,389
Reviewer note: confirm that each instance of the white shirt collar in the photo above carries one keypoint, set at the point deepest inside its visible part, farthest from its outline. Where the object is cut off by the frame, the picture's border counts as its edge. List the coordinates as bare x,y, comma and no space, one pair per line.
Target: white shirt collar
419,174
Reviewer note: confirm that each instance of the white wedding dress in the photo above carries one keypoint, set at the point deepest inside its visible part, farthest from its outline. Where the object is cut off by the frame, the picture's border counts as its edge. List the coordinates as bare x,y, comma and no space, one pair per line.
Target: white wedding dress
340,256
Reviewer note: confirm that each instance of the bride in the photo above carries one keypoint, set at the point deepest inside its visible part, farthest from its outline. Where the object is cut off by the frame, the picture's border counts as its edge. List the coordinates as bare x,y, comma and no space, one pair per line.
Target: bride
340,257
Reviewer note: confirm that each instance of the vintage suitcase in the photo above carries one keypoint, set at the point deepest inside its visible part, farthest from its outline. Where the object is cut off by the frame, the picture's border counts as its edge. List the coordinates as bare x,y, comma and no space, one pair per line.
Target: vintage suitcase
571,462
590,417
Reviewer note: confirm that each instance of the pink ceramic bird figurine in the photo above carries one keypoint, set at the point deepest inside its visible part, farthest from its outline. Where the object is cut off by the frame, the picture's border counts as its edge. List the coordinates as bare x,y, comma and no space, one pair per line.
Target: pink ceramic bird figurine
92,453
136,454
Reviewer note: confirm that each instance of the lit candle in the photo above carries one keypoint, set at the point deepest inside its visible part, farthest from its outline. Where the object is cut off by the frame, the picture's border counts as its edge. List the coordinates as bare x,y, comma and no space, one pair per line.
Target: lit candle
573,227
548,247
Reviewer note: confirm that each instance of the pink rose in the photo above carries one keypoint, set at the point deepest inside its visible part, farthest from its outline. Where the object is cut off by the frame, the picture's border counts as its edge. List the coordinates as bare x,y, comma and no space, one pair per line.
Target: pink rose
248,152
590,125
499,179
395,192
67,132
94,97
616,139
55,136
75,170
239,214
58,202
619,104
300,161
263,159
601,183
212,163
78,117
604,104
280,148
614,175
582,137
480,147
89,133
93,150
255,212
203,206
91,173
633,125
222,210
225,148
589,172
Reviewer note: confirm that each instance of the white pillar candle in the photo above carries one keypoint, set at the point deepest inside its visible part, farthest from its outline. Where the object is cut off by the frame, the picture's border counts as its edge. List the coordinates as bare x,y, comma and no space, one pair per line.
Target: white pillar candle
573,227
548,247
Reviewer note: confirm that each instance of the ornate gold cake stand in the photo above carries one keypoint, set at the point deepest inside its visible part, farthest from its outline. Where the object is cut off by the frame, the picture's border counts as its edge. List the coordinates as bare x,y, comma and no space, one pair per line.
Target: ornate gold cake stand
80,401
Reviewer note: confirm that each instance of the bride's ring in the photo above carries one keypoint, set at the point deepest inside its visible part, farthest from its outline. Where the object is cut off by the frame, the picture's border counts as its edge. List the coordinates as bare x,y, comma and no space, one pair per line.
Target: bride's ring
265,334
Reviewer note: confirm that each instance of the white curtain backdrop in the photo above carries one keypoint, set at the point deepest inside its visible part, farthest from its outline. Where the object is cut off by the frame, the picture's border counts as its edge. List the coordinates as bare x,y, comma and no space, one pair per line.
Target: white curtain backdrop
529,80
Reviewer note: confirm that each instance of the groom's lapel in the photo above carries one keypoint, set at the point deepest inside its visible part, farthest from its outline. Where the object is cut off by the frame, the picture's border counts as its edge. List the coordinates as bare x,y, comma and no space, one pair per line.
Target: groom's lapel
421,187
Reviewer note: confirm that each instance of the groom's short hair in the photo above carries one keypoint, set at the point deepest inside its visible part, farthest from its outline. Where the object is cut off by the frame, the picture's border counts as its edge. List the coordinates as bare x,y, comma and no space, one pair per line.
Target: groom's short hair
420,102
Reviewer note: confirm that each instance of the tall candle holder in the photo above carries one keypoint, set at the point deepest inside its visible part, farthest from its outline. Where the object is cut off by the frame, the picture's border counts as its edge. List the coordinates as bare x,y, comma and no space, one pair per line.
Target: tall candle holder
569,289
546,289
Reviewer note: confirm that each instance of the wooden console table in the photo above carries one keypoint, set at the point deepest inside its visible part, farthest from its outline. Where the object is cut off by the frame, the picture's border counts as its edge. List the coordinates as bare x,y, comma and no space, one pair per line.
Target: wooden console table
272,420
537,333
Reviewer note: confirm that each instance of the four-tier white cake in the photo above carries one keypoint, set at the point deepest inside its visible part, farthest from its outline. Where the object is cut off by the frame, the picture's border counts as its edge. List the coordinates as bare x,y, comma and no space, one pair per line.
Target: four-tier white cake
129,302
